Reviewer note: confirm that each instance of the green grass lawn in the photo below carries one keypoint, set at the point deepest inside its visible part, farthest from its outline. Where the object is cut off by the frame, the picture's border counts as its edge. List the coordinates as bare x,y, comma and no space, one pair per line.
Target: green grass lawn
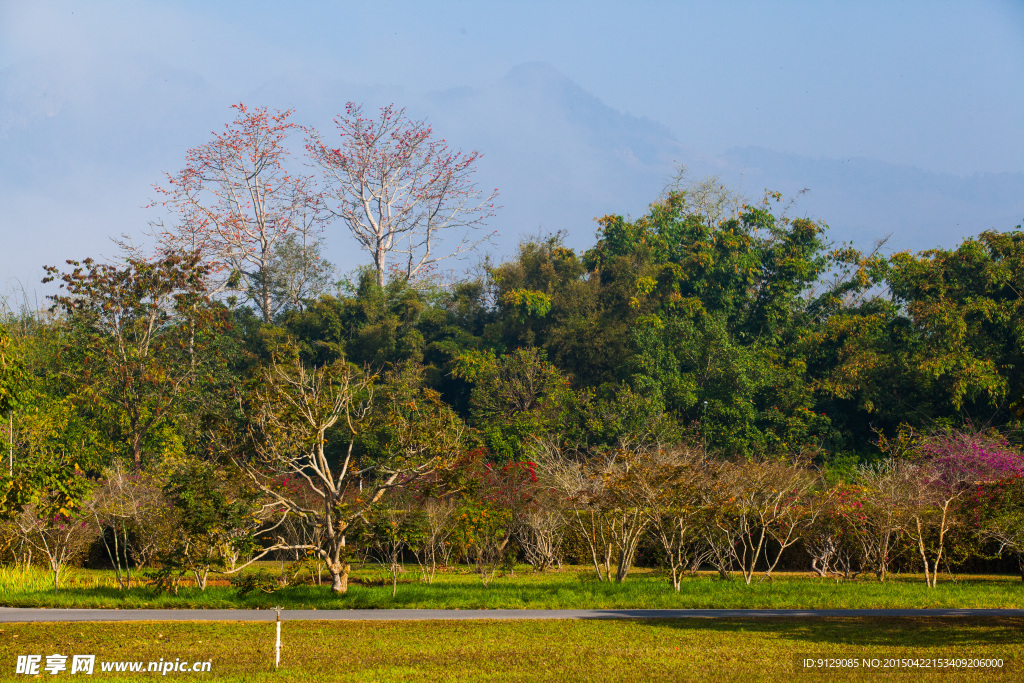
683,650
567,589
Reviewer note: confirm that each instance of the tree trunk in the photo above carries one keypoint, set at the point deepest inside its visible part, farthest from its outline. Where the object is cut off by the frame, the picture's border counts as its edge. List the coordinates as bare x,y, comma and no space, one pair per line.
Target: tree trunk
339,576
818,570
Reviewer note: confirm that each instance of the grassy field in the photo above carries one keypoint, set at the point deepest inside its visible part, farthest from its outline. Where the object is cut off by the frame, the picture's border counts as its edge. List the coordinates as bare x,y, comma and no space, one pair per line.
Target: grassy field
683,650
567,589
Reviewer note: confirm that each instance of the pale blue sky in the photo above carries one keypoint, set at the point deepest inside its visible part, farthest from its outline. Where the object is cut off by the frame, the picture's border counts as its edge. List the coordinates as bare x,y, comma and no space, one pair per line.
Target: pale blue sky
938,85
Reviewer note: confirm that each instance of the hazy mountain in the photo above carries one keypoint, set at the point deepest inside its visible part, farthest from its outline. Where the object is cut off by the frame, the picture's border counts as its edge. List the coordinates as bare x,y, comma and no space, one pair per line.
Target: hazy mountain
82,142
865,199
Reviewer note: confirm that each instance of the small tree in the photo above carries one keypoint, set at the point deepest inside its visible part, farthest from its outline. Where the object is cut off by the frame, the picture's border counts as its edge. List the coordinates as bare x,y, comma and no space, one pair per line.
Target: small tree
494,497
436,545
217,520
999,507
391,529
950,465
668,483
625,508
757,501
540,525
572,476
46,508
132,515
831,537
484,531
399,191
880,523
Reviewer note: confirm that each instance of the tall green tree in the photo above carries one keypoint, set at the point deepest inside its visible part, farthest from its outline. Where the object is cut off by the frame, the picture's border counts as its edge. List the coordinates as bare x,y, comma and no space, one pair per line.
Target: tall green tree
142,344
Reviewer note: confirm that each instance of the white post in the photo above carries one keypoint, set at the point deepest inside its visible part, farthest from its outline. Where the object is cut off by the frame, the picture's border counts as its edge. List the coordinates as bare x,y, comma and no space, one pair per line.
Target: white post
277,652
10,439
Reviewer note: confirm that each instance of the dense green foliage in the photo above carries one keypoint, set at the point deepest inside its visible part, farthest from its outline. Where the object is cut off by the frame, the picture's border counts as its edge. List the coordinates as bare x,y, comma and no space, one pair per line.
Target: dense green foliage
748,337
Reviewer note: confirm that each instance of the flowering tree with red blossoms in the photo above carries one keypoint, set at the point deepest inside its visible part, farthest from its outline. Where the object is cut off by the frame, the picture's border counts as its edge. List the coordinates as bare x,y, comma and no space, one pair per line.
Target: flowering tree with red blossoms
398,190
237,202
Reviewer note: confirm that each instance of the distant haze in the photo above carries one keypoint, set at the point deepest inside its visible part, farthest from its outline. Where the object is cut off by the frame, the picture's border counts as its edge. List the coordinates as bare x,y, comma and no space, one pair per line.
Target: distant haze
902,120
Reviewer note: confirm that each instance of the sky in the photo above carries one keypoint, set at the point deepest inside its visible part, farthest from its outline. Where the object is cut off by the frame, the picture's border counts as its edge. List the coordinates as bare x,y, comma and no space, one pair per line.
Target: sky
932,84
938,86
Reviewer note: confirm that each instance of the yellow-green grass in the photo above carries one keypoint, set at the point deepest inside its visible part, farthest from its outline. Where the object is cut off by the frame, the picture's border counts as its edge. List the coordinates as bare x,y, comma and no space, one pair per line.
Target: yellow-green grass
573,588
681,650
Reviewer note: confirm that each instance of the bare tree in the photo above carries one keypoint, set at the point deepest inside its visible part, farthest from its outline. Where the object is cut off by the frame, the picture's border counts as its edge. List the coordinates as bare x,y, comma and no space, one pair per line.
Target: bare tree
881,524
398,190
668,482
1007,530
131,514
436,547
755,501
583,492
707,197
605,509
539,529
61,538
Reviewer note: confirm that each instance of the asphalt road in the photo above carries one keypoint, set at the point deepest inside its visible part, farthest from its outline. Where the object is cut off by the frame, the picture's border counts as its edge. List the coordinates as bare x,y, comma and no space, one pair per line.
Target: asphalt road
18,614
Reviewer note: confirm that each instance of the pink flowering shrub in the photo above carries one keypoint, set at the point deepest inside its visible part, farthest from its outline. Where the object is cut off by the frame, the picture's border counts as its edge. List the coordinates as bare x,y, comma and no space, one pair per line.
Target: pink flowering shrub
962,459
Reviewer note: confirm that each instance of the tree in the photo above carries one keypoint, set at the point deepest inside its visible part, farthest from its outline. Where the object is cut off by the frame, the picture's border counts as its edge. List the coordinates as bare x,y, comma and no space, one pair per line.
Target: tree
952,464
391,529
300,413
299,272
966,307
132,516
606,511
668,483
45,504
539,527
218,519
718,312
755,501
999,510
880,520
515,398
13,380
436,547
399,191
237,202
142,339
831,538
493,499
